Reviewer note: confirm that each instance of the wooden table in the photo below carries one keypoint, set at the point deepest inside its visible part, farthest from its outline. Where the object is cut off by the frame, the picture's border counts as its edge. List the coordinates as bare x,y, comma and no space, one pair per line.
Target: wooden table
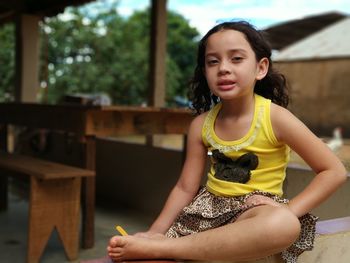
89,122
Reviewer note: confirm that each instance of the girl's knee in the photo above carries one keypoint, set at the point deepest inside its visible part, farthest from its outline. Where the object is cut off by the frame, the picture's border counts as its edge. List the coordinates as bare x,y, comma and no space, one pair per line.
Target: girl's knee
285,227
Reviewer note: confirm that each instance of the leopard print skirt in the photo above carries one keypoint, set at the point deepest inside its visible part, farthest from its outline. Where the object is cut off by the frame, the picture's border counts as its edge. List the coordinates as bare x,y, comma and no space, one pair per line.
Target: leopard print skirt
208,211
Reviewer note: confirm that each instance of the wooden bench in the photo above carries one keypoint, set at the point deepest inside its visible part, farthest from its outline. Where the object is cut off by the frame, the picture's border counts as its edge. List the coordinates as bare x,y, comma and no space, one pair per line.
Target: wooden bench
54,201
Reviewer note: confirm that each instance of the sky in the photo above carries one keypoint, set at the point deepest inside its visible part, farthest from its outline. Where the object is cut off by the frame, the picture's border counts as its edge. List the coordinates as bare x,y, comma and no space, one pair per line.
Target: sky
204,14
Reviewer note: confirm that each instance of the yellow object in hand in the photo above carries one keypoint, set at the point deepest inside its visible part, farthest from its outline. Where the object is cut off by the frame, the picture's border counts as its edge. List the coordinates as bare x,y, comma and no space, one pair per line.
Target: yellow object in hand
121,230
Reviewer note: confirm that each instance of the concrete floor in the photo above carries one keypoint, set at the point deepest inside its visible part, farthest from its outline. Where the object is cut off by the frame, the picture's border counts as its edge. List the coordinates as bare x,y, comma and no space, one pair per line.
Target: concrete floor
13,232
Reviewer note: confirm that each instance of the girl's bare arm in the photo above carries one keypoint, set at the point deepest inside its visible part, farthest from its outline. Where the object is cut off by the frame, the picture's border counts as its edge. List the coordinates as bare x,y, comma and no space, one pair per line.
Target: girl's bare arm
189,182
330,172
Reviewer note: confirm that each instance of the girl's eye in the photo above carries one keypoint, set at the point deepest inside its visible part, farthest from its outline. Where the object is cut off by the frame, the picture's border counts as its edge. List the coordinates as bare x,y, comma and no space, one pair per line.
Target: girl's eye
212,61
237,59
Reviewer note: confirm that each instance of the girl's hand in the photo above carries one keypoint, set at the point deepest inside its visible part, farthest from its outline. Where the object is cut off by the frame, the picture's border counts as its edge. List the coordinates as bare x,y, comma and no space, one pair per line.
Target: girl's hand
255,200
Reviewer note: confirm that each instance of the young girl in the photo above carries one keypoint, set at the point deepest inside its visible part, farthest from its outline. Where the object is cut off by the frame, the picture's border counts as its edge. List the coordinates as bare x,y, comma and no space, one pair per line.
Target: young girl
243,126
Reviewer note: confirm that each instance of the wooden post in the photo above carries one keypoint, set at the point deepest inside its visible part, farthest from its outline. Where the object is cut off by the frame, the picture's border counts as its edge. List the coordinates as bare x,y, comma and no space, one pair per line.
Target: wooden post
88,195
27,58
158,53
157,75
3,179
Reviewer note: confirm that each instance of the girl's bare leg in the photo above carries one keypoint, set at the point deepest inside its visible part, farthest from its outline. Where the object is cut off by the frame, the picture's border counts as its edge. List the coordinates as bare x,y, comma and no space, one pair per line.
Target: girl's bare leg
259,232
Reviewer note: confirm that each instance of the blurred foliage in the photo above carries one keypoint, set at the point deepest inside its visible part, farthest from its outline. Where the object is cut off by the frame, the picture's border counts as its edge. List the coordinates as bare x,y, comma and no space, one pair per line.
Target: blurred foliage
104,53
7,62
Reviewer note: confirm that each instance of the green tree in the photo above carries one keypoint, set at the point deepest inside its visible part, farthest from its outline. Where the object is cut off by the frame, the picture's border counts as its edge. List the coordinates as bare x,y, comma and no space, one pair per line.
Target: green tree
181,49
7,62
104,52
75,54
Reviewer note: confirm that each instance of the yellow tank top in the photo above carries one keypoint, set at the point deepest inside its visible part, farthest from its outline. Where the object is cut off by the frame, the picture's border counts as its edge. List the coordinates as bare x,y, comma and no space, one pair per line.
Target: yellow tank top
273,156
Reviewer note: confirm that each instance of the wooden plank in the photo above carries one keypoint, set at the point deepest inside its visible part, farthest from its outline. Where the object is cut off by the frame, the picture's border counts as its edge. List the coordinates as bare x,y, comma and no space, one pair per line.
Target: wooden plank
116,123
55,117
39,168
53,205
100,121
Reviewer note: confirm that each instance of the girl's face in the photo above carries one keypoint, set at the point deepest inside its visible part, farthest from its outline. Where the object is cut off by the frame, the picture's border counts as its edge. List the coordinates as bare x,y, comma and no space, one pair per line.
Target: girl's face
231,68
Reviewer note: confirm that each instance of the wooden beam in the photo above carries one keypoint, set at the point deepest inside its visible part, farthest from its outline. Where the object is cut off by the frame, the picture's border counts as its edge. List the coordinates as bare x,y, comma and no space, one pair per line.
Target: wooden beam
158,53
88,196
27,58
97,121
117,123
54,117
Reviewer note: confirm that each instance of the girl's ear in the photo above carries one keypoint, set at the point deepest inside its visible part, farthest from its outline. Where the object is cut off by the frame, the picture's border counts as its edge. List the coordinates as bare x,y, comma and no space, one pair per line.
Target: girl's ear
263,67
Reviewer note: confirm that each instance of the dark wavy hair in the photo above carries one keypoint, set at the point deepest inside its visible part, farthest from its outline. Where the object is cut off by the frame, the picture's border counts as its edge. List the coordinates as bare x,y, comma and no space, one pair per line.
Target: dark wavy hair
273,86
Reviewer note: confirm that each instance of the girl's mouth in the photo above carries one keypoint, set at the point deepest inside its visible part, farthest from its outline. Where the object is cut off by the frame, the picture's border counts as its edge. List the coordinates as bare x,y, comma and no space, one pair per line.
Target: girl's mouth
226,84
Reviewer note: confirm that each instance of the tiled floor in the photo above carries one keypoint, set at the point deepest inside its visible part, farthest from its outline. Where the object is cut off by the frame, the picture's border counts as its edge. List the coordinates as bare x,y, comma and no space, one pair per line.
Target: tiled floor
13,232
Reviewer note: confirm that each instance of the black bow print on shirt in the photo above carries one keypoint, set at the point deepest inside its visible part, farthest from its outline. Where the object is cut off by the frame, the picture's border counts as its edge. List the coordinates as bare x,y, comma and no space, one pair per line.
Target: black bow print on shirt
238,170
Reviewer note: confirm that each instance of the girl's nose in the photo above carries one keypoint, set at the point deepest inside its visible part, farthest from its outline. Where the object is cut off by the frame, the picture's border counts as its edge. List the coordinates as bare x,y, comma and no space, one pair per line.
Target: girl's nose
224,67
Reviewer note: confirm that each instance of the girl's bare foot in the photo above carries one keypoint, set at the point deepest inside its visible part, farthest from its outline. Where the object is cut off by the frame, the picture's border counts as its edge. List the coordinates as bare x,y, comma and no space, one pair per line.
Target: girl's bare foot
134,247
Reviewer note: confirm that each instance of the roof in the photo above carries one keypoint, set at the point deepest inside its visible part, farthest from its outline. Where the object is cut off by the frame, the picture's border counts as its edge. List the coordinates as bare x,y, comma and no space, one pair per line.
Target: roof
9,9
330,42
287,33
